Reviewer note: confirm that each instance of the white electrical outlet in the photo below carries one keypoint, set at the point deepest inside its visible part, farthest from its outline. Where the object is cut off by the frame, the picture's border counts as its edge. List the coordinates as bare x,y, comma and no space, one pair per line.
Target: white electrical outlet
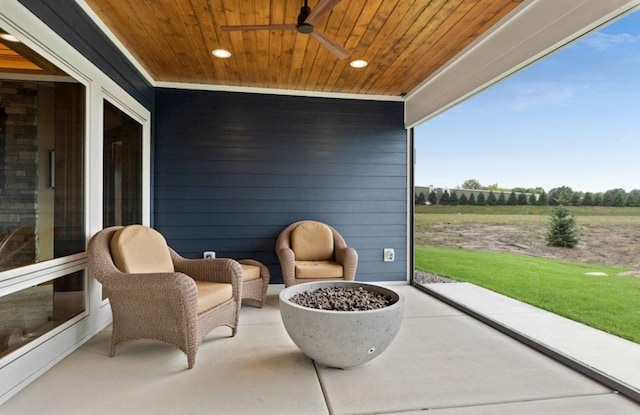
209,254
389,255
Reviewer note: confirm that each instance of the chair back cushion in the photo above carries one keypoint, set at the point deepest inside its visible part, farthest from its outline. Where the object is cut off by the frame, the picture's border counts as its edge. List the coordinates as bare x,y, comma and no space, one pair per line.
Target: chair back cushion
140,249
312,241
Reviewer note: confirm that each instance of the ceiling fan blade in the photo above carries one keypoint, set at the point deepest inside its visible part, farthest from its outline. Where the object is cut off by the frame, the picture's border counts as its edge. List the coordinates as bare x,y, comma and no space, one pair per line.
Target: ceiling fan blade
323,7
333,47
259,27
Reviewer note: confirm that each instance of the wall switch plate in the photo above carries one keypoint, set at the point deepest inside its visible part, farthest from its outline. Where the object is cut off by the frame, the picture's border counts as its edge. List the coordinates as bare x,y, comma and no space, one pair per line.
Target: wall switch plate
389,255
209,254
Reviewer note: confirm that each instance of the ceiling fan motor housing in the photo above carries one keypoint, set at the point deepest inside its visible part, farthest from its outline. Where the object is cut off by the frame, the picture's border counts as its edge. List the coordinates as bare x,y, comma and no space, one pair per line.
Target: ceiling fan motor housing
302,26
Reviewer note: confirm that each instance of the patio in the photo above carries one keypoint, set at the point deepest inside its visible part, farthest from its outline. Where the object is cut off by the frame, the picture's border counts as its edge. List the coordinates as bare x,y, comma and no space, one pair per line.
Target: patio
443,361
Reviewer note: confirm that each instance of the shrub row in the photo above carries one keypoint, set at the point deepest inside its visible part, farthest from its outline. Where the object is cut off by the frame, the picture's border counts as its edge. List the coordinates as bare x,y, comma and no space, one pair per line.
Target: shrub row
559,196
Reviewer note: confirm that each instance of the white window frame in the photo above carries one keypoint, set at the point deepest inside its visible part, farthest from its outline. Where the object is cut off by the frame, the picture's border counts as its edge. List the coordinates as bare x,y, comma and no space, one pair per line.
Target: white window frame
21,367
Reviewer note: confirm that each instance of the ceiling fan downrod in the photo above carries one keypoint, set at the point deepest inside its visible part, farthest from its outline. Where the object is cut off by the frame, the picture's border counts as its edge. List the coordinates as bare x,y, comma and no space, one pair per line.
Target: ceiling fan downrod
303,27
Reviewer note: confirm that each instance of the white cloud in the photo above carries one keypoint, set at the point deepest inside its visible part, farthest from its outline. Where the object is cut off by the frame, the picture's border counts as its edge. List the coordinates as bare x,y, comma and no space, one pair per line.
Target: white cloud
523,96
604,41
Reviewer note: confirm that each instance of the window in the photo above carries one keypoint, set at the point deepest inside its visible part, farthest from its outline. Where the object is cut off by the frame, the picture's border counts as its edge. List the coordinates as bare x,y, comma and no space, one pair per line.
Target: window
41,171
42,197
27,314
122,168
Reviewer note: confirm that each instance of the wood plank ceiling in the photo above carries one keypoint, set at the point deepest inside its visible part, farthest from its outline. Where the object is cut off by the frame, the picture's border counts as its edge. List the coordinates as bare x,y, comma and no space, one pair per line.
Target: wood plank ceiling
15,57
404,41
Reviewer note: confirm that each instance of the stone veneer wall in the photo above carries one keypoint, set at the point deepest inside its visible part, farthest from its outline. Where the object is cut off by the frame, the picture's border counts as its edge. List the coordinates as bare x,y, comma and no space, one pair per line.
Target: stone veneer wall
18,191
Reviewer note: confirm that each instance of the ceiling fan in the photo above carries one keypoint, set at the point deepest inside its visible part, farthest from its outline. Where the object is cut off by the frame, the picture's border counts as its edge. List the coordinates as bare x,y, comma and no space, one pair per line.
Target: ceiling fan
306,19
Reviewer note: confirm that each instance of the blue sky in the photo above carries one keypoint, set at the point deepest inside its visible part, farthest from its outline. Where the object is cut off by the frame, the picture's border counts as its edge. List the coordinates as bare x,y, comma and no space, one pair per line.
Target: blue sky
572,119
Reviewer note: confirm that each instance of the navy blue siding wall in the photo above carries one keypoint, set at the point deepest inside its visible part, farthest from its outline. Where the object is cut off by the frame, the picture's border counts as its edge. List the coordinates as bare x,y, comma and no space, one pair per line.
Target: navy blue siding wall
231,170
69,21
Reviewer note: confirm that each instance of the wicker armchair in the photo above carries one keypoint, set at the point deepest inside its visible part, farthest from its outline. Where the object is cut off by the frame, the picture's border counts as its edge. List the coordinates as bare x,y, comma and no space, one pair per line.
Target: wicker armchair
179,305
313,251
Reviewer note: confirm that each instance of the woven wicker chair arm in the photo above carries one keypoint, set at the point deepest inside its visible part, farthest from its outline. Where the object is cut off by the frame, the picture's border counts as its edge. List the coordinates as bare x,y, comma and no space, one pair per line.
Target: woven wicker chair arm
153,300
225,270
166,290
216,270
338,241
287,265
346,255
286,256
150,281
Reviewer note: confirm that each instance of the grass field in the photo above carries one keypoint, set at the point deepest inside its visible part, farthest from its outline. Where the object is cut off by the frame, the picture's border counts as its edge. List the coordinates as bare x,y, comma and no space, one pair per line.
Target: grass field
527,210
503,248
449,218
610,303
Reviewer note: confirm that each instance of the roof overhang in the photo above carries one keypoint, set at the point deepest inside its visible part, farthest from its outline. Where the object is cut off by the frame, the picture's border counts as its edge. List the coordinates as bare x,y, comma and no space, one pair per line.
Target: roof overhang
532,31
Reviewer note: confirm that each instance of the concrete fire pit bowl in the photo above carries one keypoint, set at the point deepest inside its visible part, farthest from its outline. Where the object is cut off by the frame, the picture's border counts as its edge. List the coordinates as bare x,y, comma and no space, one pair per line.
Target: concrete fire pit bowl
341,339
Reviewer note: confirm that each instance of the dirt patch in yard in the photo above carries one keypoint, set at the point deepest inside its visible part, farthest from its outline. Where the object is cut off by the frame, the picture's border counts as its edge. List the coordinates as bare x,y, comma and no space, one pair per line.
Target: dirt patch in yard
608,245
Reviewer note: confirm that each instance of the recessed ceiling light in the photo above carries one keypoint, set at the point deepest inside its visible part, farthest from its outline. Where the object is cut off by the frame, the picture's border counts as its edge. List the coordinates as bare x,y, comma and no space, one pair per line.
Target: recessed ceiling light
358,63
221,53
10,38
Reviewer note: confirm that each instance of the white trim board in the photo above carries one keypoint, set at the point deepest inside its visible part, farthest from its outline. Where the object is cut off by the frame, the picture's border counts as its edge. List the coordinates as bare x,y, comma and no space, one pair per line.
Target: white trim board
102,26
274,91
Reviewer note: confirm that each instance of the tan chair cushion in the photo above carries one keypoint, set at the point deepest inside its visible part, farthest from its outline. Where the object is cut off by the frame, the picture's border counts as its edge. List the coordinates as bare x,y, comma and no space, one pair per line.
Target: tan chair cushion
312,241
250,272
318,269
140,249
211,294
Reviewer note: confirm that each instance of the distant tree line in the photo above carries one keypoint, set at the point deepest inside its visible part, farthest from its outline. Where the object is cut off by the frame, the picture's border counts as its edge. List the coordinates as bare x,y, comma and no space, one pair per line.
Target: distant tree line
559,196
491,199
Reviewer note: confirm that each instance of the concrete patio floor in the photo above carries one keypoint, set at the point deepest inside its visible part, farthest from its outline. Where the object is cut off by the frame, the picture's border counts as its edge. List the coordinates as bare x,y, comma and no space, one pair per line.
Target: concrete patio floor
442,362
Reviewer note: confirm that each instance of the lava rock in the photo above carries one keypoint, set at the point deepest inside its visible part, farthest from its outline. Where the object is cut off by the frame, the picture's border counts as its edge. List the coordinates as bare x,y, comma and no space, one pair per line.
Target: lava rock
341,299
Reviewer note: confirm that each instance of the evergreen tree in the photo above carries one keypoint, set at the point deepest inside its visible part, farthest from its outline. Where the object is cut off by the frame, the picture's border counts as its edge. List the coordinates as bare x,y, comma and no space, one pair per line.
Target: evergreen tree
587,200
560,196
481,200
462,200
614,197
491,199
619,199
502,200
630,201
522,199
562,229
635,196
513,199
444,199
420,199
533,201
453,200
542,199
472,199
575,199
597,199
607,198
433,198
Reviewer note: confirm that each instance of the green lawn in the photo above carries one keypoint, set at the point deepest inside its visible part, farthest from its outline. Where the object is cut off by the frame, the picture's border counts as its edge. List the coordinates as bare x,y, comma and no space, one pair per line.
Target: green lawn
610,303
